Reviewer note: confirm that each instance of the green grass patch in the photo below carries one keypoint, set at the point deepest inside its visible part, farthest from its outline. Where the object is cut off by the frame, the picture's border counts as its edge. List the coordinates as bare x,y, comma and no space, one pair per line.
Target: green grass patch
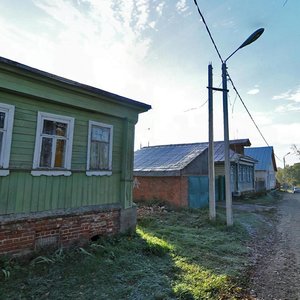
174,254
270,198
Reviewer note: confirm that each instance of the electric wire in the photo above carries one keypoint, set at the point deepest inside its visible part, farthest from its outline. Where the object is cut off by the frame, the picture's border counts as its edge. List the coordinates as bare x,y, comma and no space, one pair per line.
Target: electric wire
230,79
241,99
234,103
208,31
198,107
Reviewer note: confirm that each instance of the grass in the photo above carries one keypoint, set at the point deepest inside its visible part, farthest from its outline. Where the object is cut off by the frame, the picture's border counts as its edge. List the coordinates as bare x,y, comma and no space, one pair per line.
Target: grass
174,254
265,199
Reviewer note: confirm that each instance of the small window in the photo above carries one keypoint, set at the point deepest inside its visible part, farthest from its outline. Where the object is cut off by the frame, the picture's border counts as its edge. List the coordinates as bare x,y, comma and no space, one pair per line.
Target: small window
99,156
6,128
53,145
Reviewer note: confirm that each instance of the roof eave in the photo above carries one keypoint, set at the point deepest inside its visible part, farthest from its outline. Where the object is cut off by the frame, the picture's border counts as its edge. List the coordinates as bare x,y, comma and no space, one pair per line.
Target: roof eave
137,105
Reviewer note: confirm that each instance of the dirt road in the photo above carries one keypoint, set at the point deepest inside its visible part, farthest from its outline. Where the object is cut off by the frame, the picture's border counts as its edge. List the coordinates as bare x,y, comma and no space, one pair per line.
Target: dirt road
277,275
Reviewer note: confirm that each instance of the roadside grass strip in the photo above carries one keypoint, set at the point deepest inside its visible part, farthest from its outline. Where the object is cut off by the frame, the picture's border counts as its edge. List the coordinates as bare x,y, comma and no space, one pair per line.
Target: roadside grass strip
174,254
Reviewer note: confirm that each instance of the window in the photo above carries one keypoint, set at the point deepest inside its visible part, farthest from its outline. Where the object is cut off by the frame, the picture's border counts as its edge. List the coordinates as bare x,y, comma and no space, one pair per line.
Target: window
53,145
99,155
6,127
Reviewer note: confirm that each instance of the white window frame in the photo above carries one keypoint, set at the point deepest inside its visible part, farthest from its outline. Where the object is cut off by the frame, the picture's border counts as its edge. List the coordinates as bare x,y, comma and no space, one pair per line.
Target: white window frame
99,172
38,144
9,111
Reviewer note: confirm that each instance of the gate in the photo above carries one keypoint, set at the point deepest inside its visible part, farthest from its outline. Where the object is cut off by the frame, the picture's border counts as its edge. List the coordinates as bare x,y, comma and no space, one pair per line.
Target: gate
198,191
198,196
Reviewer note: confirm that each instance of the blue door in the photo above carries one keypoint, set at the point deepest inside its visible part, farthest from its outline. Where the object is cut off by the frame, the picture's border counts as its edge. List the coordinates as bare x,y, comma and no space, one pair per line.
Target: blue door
220,188
198,191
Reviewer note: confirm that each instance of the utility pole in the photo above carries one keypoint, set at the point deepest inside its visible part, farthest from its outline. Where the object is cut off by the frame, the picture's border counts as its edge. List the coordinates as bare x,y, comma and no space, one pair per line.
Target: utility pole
211,167
253,37
228,196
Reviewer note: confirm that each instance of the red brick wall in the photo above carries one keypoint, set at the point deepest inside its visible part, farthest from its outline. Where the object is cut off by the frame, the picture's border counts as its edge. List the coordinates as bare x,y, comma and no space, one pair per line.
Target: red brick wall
173,190
26,235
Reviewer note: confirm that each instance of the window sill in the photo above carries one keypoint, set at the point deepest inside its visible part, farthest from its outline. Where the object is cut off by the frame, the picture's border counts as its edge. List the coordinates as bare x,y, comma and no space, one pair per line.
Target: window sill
4,172
98,173
51,173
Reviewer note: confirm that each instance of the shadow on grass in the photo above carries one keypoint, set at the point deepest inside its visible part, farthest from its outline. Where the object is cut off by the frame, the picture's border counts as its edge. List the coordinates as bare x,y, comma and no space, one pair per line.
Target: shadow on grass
209,256
122,267
173,255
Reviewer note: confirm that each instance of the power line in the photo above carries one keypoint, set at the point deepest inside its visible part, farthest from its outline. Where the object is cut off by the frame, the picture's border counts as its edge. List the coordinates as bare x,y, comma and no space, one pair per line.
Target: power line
198,107
208,31
238,94
230,79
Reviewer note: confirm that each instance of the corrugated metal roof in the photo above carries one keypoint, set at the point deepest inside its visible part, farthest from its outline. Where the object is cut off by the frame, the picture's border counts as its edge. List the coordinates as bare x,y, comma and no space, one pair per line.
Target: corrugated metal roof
174,157
264,156
167,157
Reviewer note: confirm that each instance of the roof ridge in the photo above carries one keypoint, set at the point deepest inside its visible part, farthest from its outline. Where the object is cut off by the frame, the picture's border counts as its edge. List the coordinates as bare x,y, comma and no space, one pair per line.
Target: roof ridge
188,144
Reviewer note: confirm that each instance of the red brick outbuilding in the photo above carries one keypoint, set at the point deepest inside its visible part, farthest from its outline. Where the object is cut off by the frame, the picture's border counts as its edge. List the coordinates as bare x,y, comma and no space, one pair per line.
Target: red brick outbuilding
178,174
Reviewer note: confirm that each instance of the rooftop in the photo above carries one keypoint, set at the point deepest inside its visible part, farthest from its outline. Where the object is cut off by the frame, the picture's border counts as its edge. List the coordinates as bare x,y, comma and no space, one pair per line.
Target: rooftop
264,156
176,157
29,70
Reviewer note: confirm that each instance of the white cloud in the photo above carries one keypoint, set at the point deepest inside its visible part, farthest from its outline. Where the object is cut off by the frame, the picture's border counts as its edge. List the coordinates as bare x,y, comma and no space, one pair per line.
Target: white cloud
289,95
253,91
181,6
105,42
295,96
287,108
160,8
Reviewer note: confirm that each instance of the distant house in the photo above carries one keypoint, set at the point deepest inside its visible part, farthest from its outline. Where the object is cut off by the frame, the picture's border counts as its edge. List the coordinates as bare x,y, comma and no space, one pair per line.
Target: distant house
178,174
265,169
66,160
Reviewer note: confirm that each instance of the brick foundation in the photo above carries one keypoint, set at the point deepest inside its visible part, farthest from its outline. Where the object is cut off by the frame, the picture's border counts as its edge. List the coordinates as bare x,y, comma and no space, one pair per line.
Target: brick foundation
173,190
22,234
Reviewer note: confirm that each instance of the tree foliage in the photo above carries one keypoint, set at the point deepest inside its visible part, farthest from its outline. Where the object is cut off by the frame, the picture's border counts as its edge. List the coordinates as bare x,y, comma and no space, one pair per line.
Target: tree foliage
290,175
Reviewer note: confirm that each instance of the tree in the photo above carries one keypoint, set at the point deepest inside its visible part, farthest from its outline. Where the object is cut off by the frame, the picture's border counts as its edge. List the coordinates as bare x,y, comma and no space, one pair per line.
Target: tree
290,175
296,150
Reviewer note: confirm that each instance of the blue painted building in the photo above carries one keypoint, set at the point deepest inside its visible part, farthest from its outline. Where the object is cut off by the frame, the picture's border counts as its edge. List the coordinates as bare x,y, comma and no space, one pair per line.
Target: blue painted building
265,169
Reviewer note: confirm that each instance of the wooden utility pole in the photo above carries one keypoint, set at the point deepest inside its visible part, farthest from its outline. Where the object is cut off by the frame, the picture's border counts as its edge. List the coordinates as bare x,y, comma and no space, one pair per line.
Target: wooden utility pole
211,167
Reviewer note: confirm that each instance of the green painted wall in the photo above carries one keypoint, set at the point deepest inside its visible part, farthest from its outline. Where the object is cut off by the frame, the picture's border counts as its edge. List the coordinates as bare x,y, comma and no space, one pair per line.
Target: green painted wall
21,192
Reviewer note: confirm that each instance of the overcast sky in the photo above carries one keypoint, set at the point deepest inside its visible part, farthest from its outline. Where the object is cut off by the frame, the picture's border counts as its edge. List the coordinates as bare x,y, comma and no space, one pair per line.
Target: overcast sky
157,52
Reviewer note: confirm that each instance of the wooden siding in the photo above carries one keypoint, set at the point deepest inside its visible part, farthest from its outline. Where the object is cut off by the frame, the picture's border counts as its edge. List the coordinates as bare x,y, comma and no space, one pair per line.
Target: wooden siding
219,170
21,192
24,132
199,166
45,89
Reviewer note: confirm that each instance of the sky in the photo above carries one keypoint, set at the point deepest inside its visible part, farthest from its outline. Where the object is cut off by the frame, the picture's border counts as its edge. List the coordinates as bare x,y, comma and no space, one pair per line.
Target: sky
158,51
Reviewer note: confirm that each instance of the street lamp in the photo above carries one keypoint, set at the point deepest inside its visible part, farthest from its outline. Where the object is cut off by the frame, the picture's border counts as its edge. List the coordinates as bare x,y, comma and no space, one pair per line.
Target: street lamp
284,159
253,37
285,186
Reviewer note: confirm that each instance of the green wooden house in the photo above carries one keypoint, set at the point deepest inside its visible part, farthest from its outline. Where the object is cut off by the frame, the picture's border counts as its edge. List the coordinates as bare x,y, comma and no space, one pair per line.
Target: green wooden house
66,160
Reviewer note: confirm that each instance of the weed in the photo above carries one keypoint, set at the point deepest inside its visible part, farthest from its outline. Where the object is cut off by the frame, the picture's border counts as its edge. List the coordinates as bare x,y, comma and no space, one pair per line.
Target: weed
6,273
41,260
83,251
174,254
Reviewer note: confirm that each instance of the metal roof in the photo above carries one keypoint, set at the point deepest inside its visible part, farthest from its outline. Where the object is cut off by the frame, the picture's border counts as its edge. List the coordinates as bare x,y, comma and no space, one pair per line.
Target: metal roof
264,156
165,158
88,88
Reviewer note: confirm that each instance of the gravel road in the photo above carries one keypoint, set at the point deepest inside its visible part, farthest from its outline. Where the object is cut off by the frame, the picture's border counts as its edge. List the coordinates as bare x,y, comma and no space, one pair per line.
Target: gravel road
277,274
